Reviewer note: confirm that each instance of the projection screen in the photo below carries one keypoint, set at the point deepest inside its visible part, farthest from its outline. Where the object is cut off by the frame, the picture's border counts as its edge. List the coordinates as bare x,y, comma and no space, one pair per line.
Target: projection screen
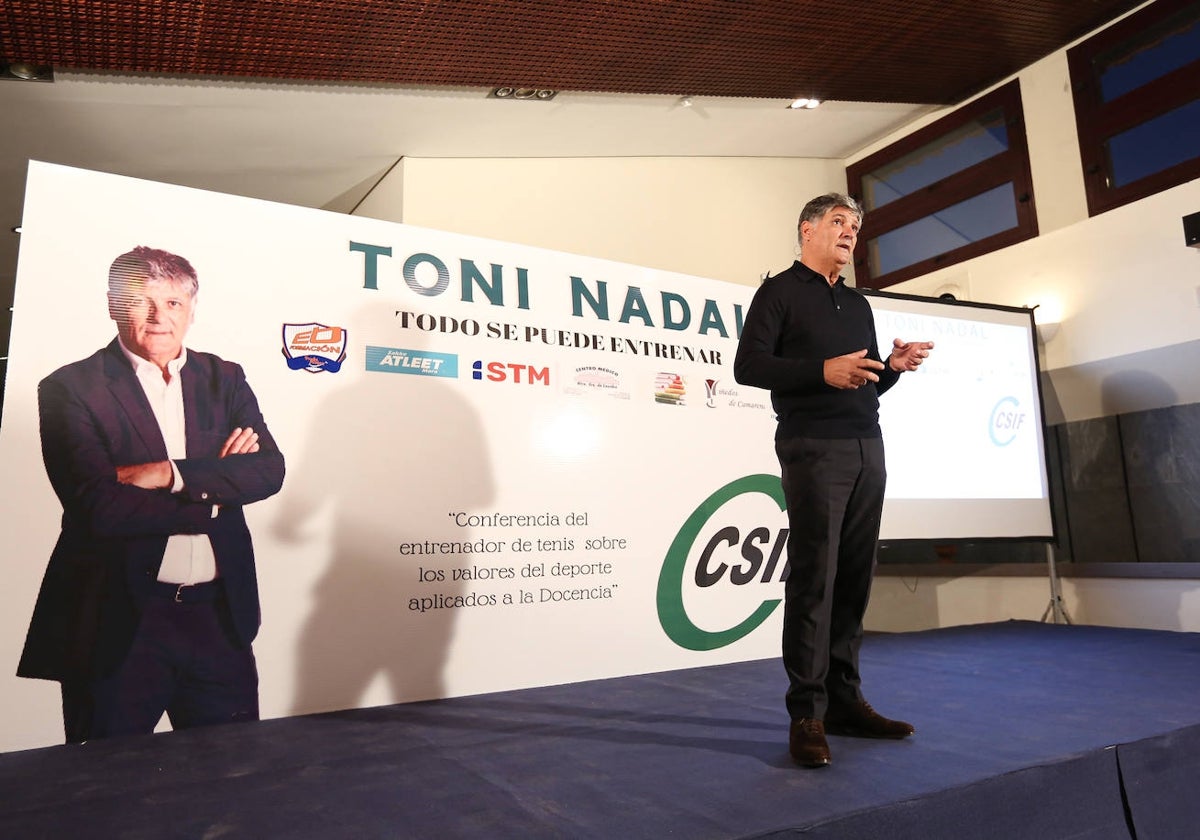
965,439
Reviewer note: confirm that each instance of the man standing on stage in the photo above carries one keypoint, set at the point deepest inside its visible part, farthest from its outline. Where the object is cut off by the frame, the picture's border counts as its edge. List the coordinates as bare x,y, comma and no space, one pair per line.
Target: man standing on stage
150,601
810,339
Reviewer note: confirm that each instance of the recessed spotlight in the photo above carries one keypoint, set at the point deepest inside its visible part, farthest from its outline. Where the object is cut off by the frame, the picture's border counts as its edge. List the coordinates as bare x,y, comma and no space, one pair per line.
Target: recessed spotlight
804,103
26,71
15,228
530,93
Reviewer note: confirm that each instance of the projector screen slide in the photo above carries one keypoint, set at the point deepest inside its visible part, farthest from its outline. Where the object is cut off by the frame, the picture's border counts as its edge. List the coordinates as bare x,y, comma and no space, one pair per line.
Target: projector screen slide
965,438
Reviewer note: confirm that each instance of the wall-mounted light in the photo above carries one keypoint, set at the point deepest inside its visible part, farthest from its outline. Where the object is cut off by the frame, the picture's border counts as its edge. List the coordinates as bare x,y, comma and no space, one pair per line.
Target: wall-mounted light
1047,331
15,228
803,104
535,94
1047,317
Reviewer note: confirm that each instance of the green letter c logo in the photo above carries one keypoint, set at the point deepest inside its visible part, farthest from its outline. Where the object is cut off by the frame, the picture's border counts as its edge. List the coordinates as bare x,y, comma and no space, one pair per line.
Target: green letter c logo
671,613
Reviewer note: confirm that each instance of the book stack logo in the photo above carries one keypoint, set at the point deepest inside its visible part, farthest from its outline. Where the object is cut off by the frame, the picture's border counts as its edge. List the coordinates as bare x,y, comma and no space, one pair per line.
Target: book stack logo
670,389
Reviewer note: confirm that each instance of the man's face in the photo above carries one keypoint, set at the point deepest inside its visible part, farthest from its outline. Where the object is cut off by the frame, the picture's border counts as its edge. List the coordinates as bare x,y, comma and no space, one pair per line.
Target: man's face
152,318
830,240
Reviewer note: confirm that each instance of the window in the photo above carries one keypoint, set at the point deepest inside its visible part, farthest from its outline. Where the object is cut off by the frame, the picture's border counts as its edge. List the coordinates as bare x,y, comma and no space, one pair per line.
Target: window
956,189
1137,104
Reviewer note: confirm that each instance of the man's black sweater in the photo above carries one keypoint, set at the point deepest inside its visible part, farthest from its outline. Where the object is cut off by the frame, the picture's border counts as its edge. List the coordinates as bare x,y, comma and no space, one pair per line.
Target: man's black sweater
795,322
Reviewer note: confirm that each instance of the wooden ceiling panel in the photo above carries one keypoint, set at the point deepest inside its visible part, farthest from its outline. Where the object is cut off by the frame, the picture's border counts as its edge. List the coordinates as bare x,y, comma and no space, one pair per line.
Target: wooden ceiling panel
915,51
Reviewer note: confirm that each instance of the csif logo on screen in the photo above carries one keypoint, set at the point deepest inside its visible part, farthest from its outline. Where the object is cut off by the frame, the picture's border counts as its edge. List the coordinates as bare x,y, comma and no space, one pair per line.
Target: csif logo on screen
1007,421
737,564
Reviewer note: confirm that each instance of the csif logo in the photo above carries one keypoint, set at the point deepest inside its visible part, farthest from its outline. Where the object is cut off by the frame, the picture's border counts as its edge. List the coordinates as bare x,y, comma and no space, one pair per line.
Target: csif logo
729,556
1006,421
510,372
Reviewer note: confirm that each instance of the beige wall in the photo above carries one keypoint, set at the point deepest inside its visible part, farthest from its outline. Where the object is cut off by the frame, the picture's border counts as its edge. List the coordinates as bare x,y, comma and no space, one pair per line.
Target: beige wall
1127,287
730,219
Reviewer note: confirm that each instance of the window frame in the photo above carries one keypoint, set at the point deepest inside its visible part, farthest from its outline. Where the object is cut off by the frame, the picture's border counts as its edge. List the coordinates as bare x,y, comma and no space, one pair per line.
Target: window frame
1011,165
1096,121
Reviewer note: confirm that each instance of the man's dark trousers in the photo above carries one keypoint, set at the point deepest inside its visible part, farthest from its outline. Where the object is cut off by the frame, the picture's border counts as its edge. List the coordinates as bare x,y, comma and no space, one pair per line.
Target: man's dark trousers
834,490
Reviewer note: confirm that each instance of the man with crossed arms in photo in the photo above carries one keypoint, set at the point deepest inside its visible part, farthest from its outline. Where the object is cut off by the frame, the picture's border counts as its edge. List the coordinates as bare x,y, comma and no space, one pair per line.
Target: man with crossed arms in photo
150,603
810,339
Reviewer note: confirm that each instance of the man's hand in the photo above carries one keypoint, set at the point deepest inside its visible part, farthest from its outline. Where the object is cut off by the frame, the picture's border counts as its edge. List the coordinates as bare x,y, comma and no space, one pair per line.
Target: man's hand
156,476
240,442
908,355
852,370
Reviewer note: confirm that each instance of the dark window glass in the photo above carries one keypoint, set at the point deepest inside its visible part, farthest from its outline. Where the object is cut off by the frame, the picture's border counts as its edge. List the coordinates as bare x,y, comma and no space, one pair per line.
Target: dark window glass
1136,87
958,225
956,189
1144,59
976,141
1155,145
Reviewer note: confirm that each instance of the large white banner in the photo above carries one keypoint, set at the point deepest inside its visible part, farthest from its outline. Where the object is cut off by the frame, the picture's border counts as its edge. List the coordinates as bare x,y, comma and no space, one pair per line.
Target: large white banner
490,448
506,466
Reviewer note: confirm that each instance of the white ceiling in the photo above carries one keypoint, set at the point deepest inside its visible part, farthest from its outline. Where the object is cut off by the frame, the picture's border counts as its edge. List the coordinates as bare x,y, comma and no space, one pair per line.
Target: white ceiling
327,146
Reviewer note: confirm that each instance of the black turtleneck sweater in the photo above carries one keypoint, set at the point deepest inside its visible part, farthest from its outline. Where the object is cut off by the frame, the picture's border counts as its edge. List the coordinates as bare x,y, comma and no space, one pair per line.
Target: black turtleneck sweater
795,322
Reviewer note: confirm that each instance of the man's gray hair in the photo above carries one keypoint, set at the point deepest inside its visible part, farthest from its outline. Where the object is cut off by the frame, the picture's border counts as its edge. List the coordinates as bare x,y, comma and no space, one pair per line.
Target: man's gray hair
148,265
816,209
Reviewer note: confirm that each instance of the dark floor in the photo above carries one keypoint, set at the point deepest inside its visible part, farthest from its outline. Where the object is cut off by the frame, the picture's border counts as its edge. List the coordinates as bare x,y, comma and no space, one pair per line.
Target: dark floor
1024,730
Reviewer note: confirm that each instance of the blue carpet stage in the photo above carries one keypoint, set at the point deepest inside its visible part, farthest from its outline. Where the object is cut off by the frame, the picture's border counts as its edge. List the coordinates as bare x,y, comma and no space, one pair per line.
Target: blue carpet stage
1024,730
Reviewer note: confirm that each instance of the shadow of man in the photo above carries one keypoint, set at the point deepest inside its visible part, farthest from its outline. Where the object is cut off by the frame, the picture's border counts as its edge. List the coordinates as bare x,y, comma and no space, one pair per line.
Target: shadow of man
391,459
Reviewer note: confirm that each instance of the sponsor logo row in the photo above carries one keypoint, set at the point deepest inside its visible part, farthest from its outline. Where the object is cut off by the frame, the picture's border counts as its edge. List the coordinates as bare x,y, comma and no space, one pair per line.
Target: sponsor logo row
319,348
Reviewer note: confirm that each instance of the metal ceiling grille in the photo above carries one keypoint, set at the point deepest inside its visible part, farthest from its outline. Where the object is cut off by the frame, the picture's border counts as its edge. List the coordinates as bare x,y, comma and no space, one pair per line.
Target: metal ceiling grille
918,51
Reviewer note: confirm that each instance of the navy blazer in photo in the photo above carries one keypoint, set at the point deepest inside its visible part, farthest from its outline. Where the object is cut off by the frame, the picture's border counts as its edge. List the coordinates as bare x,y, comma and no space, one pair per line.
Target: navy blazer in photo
94,417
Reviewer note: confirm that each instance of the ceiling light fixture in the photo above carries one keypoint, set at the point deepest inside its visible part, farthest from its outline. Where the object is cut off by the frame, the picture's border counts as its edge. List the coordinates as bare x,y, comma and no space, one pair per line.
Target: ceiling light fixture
534,93
804,103
686,102
26,71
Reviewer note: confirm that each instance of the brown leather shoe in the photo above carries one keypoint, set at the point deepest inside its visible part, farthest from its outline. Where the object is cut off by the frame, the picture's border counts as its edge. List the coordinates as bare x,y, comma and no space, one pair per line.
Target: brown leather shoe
861,721
806,743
